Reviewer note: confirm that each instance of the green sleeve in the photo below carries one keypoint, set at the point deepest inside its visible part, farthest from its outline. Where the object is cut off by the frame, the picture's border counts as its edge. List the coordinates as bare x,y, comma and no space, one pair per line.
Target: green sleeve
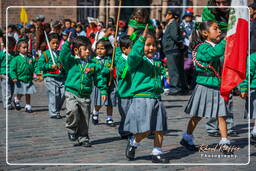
135,56
100,80
118,53
42,64
66,57
13,68
208,15
249,70
209,53
119,62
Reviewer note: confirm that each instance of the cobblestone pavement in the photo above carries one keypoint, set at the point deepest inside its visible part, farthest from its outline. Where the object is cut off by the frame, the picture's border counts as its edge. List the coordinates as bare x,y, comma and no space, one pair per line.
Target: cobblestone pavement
36,139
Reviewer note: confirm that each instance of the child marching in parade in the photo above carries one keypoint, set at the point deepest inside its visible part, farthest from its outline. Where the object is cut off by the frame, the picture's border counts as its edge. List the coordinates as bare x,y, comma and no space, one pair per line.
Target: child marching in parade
206,100
82,72
104,52
137,23
22,68
244,94
123,81
4,76
54,76
146,113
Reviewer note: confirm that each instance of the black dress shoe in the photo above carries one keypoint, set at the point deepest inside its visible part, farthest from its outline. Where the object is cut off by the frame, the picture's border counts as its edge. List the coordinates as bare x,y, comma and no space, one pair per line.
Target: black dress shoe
58,116
214,134
188,146
130,151
94,120
72,137
233,134
86,144
28,110
17,105
10,107
159,159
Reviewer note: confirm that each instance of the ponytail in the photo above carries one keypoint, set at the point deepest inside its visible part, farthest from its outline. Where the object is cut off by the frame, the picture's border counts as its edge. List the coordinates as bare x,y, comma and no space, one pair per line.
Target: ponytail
197,36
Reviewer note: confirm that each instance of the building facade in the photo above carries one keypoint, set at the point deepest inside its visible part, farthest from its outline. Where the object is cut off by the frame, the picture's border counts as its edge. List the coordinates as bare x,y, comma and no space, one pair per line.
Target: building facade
87,8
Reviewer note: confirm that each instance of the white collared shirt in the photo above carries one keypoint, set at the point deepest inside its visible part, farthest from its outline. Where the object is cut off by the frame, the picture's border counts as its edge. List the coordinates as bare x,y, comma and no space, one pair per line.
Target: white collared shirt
211,43
124,56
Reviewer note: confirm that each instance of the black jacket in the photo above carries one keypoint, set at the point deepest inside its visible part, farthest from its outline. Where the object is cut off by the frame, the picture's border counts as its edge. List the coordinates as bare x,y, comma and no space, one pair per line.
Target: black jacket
172,38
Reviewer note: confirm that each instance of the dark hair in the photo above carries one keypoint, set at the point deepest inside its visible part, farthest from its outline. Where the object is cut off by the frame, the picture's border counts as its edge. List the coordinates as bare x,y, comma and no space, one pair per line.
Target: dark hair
125,42
152,33
20,42
80,26
11,41
220,16
81,41
67,20
143,12
197,36
53,36
107,45
47,26
110,19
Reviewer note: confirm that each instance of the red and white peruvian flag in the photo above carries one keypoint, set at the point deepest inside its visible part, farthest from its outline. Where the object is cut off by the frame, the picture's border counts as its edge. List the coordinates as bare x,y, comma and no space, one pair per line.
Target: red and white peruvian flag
234,68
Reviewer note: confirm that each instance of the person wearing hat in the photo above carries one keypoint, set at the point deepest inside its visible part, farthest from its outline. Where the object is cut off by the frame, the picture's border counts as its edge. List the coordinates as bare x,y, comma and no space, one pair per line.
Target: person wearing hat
172,48
187,26
64,37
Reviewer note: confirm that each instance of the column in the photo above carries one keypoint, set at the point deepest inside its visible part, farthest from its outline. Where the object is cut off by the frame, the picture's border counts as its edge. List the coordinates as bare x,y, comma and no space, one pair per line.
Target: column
112,10
102,11
164,9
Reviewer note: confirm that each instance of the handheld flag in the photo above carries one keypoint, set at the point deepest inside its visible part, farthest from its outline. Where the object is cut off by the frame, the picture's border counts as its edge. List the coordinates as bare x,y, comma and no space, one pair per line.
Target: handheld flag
234,68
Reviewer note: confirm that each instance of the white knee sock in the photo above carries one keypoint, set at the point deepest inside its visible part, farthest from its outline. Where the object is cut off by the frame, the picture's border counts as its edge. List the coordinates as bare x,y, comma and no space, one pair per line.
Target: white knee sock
134,143
157,151
224,141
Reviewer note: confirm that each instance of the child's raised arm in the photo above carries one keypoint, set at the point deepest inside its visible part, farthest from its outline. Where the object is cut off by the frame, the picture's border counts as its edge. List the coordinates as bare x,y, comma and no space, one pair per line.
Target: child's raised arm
136,55
65,54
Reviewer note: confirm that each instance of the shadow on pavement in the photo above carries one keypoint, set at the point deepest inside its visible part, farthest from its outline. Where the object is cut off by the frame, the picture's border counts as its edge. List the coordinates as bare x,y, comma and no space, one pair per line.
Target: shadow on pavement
105,140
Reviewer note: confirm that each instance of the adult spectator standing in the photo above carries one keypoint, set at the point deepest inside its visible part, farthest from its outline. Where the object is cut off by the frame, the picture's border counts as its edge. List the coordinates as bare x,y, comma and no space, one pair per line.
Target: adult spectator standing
172,48
221,16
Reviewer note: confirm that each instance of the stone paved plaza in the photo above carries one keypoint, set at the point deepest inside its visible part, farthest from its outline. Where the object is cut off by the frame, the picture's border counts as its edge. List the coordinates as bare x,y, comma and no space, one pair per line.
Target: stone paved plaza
34,139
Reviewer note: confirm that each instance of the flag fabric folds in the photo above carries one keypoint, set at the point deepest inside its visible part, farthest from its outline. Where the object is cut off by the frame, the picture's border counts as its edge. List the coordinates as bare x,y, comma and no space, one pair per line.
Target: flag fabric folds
234,68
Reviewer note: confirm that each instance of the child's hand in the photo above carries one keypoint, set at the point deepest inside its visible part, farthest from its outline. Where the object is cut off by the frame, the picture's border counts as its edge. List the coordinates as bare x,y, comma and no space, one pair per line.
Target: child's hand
54,66
145,32
14,80
104,98
243,95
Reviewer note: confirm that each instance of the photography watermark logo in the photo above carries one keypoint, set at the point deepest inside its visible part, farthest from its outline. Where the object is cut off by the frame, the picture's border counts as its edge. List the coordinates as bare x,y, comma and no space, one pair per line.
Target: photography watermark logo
218,150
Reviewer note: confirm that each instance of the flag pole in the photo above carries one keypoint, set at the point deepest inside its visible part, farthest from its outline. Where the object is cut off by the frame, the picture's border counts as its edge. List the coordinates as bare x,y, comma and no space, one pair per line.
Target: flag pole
48,44
114,49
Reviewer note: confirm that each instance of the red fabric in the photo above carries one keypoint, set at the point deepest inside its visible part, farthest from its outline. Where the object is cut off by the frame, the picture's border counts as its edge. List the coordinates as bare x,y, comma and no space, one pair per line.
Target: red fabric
114,72
234,69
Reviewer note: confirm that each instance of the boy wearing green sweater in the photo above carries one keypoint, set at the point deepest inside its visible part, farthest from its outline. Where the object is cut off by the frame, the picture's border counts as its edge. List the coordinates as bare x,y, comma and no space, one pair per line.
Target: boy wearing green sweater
124,82
82,72
54,76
